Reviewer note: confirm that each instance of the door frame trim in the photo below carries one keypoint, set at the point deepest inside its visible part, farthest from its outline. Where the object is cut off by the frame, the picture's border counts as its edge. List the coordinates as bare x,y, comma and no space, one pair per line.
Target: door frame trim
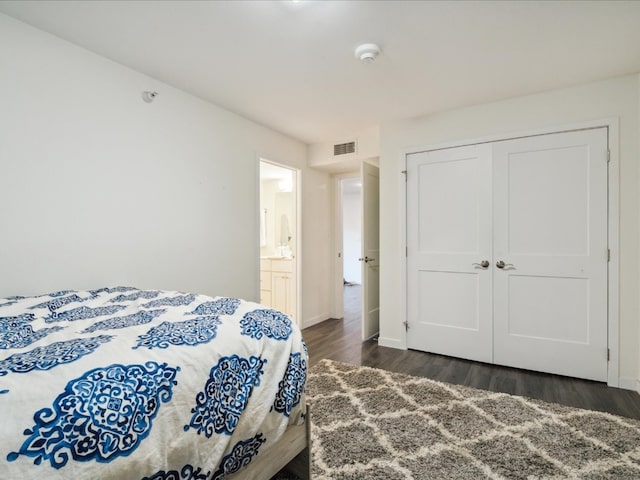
613,222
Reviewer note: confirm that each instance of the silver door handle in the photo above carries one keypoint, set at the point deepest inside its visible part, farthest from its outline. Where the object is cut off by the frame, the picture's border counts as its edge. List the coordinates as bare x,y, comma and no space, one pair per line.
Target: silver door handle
482,264
501,264
366,259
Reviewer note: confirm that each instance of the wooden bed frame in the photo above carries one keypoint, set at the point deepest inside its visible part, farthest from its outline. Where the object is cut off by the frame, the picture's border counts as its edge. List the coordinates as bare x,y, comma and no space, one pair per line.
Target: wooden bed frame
293,452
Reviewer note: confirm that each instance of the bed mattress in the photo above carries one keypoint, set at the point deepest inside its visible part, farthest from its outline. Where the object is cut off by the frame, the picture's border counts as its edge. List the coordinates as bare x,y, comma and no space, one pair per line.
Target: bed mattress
123,383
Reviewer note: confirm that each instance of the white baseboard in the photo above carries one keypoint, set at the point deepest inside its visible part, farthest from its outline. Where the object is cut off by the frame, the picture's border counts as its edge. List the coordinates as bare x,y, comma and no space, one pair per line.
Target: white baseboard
391,343
372,336
309,322
629,383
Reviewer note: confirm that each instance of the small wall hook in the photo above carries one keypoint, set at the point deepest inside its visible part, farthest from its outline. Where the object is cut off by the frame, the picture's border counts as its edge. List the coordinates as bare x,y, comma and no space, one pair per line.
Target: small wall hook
148,96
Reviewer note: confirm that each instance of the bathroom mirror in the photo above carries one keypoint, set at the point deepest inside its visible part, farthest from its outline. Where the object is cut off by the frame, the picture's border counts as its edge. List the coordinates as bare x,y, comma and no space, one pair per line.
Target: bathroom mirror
283,212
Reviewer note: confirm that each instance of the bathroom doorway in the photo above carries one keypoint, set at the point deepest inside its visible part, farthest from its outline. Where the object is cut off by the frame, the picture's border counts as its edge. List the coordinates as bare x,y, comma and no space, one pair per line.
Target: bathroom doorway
279,238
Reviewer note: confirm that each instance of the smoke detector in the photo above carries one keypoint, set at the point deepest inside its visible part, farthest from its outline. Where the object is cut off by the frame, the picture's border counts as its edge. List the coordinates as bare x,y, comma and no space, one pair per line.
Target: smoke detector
149,96
367,52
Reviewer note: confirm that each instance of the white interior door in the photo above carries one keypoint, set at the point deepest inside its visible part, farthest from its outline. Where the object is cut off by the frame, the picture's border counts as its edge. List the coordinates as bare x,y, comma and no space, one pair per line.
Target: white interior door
448,238
550,228
370,259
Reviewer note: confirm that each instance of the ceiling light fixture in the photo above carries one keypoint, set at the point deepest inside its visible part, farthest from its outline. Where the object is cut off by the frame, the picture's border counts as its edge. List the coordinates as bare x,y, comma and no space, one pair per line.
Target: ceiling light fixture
367,52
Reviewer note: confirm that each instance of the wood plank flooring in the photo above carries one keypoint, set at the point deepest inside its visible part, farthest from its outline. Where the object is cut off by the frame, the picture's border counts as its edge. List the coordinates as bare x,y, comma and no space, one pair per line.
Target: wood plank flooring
341,340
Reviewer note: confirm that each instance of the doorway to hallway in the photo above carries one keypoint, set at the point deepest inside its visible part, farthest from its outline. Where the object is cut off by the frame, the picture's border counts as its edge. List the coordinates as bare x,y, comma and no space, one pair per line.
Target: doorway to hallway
357,240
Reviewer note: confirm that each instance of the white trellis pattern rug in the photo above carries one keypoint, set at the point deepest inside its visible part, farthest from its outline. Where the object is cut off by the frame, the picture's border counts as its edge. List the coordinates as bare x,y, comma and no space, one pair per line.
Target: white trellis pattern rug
370,424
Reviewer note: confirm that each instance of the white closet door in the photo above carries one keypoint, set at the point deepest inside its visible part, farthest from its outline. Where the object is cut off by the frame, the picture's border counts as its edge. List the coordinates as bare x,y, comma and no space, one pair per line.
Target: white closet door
550,228
448,236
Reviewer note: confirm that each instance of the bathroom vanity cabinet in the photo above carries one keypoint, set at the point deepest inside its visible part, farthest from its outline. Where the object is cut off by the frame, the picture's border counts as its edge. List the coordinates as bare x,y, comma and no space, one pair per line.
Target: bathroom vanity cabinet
277,284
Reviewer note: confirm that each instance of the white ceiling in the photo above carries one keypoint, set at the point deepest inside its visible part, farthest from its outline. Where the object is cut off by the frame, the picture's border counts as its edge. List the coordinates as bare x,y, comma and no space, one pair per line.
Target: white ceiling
290,65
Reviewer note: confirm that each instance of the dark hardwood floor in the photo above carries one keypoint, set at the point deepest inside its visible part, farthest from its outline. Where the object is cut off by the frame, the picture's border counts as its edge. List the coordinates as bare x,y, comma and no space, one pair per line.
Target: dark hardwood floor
341,340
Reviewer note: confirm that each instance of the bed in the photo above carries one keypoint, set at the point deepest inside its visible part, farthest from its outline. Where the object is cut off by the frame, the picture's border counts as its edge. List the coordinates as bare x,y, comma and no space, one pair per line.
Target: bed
122,383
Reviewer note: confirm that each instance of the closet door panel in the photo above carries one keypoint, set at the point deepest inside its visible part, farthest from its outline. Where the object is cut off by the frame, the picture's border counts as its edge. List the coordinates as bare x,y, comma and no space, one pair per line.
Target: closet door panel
550,230
448,236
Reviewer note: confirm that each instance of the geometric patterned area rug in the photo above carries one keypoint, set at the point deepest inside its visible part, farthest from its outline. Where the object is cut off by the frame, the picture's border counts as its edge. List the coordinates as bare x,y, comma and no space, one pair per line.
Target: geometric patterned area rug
370,424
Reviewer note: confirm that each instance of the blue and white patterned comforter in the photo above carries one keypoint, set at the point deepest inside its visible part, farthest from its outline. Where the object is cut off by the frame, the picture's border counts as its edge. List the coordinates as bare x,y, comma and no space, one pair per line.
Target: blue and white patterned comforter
121,383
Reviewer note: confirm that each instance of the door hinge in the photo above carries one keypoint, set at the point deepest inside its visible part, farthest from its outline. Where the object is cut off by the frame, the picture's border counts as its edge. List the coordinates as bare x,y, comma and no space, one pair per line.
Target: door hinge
608,254
406,251
608,354
404,172
406,325
608,156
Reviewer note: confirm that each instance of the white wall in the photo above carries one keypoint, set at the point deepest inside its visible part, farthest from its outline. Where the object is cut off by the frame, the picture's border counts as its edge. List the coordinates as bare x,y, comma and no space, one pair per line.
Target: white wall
317,260
367,147
618,97
352,236
99,188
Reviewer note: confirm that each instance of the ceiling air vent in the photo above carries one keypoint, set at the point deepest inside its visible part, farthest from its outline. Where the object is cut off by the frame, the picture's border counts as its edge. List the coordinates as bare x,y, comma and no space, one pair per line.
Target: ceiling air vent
344,148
